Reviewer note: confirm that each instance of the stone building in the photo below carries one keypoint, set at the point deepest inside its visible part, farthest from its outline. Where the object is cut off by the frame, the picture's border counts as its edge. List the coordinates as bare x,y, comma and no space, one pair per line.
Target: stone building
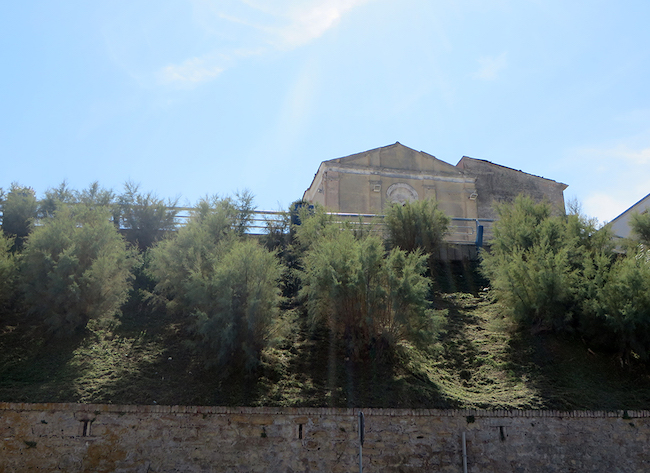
366,182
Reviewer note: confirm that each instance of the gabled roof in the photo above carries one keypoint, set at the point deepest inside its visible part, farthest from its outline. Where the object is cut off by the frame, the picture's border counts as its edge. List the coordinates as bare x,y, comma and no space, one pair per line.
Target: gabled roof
396,148
396,145
633,208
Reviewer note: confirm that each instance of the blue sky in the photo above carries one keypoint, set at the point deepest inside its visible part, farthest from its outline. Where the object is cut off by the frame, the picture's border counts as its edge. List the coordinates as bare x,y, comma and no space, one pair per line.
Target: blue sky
196,97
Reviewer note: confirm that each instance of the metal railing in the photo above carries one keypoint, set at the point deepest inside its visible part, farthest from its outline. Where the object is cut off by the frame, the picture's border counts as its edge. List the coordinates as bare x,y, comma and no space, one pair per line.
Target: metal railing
460,230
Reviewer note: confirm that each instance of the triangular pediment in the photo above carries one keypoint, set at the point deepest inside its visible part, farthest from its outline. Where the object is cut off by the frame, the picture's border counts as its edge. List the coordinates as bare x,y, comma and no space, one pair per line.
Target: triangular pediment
396,157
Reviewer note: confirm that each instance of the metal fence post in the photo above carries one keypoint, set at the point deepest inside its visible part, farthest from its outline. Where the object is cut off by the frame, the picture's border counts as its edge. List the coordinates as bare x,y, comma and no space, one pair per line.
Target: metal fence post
361,438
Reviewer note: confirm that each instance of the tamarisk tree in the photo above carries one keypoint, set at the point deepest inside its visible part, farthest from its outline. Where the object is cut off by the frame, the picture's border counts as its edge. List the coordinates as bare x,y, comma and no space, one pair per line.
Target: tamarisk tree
226,284
76,267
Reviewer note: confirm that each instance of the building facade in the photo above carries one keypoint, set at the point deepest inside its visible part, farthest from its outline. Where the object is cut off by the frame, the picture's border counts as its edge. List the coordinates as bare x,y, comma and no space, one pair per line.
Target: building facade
369,181
621,225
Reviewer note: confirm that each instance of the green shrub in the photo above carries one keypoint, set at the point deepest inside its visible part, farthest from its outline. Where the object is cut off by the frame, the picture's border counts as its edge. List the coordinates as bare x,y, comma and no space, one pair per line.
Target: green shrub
416,225
544,266
277,232
8,272
145,216
56,197
19,210
236,304
213,225
537,285
76,267
519,226
622,305
560,273
315,224
228,286
366,296
640,224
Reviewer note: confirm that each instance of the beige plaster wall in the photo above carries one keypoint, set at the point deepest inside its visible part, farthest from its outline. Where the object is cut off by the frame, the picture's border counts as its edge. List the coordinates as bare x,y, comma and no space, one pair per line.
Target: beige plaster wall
103,438
359,183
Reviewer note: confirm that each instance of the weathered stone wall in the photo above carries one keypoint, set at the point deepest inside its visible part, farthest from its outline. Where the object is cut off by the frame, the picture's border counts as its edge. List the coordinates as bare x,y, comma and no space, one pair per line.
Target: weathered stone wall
495,183
103,438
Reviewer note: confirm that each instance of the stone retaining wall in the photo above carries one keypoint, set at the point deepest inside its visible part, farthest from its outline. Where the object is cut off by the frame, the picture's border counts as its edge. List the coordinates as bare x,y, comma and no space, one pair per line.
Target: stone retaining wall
107,438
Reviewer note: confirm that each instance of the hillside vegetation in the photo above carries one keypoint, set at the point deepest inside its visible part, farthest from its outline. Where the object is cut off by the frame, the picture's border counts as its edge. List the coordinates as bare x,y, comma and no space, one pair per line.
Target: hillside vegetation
318,314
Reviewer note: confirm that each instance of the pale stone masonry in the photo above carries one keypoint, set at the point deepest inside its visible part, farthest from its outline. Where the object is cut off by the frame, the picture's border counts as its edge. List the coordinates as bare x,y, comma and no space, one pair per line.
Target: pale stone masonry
107,438
366,182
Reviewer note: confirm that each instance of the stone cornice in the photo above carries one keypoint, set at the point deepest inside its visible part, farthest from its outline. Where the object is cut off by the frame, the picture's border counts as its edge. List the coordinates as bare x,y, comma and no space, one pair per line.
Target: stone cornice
397,173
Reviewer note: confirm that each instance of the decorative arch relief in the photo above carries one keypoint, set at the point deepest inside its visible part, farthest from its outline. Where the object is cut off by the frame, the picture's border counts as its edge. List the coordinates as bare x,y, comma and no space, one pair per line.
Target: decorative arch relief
401,192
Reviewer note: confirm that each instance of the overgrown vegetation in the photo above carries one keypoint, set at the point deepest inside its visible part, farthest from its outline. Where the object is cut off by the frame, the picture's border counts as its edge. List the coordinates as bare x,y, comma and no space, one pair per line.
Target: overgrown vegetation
316,314
640,224
146,216
19,209
226,285
8,273
558,273
418,225
75,267
534,264
370,298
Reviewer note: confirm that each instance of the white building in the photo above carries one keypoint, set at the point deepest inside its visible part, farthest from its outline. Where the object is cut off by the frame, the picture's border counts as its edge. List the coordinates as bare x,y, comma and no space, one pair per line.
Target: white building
621,225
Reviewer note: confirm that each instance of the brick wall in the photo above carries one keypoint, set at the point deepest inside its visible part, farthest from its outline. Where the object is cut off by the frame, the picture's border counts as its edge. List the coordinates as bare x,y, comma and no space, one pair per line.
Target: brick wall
76,437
